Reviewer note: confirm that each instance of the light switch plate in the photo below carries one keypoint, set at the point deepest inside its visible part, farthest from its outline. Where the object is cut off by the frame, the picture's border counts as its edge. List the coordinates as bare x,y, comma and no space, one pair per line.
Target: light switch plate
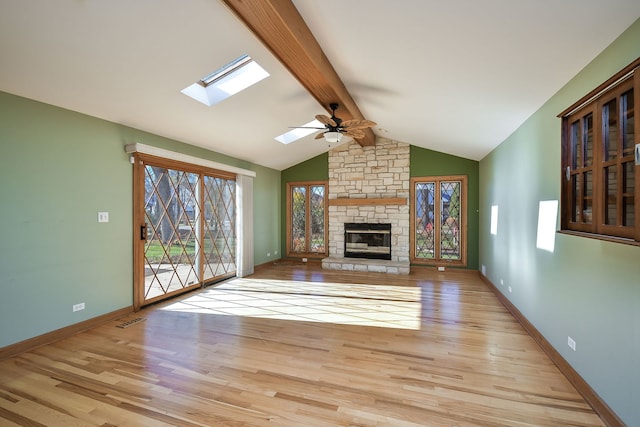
103,216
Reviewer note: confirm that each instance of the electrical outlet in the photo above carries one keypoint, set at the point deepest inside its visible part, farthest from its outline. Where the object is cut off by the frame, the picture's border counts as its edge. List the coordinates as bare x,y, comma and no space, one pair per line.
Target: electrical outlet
484,270
304,260
440,268
275,252
78,307
268,253
510,290
501,282
571,343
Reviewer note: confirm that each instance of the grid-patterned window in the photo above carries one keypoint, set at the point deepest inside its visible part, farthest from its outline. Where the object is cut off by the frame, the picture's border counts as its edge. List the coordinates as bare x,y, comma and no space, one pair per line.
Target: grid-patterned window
601,151
307,219
438,220
187,237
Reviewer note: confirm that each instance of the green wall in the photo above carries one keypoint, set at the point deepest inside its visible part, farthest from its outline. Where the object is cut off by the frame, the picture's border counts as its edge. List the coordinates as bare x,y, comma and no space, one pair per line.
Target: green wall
58,169
587,289
433,163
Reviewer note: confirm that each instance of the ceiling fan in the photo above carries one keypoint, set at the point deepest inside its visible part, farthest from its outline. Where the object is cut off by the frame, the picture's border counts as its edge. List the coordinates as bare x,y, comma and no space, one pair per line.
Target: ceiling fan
334,127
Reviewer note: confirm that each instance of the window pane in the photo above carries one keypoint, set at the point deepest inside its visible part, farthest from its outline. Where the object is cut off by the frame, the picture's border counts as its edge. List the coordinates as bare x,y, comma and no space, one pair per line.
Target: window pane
575,198
576,146
317,218
424,221
298,219
587,197
610,130
628,201
587,136
171,217
628,123
588,184
611,195
587,212
450,219
220,227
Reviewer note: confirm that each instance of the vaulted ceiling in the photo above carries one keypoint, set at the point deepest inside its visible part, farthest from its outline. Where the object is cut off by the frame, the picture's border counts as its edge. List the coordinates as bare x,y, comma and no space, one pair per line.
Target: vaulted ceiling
453,76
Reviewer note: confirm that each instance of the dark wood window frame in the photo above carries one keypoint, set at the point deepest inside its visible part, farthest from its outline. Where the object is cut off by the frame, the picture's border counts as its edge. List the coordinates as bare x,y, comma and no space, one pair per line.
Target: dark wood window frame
291,251
600,180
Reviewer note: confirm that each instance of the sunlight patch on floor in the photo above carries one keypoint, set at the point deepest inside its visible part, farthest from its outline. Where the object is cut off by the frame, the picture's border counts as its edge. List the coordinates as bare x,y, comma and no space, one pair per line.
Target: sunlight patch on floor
342,303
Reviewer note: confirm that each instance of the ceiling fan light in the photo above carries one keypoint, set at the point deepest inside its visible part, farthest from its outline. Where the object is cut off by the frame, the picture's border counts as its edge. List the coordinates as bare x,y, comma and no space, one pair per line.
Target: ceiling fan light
332,137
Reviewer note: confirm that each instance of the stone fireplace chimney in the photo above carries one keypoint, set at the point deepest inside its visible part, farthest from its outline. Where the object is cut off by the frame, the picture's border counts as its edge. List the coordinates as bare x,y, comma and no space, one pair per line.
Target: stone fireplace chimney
369,185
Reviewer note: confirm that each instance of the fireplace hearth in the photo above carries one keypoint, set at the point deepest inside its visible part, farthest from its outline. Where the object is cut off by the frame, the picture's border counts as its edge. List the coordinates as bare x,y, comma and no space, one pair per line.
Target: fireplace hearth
366,240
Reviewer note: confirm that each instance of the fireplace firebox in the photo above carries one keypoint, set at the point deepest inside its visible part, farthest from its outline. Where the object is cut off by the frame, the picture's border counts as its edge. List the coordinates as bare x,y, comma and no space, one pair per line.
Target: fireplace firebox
364,240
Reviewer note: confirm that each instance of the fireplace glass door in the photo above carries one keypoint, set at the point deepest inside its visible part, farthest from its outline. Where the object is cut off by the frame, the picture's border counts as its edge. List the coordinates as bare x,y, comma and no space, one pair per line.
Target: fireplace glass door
363,240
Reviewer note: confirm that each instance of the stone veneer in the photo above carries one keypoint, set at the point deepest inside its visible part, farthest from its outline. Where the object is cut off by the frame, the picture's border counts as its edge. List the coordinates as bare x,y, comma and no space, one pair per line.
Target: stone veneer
371,172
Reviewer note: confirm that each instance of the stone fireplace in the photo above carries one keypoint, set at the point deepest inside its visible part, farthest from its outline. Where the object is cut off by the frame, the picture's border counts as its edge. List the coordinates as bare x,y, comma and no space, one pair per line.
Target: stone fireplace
369,185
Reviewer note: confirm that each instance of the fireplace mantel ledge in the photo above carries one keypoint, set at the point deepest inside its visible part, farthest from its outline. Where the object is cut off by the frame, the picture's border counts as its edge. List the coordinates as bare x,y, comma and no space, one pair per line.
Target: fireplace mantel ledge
348,201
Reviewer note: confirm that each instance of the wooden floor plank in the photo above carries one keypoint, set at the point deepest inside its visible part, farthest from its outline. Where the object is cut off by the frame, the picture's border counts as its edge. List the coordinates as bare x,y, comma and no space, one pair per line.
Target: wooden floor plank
295,345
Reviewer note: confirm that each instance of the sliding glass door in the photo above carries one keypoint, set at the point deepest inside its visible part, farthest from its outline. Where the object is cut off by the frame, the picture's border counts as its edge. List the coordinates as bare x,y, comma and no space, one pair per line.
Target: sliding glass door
185,233
219,236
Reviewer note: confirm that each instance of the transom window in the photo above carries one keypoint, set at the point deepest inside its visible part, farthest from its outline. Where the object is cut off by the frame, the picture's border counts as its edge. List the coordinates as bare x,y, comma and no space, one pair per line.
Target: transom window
600,153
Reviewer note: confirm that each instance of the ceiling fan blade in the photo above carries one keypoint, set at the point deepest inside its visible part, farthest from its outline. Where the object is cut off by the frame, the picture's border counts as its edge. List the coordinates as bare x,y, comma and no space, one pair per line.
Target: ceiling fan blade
357,124
326,120
354,133
319,136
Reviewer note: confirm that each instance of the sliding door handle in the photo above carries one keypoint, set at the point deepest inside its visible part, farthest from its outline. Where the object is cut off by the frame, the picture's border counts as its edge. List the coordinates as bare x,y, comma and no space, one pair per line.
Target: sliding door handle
143,232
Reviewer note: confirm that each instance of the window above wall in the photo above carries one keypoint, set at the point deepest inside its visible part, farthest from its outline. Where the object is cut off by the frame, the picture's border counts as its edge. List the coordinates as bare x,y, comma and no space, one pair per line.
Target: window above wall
226,81
600,160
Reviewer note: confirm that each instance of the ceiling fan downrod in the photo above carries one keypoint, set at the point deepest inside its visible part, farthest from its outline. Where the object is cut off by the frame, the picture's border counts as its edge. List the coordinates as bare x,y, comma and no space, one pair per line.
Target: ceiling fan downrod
334,106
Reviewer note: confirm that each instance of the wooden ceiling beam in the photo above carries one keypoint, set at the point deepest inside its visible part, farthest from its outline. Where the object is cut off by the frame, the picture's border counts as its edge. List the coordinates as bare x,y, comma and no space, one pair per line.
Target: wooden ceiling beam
280,27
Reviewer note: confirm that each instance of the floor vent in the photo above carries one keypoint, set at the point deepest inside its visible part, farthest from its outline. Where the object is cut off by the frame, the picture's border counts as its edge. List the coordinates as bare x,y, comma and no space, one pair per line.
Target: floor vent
130,322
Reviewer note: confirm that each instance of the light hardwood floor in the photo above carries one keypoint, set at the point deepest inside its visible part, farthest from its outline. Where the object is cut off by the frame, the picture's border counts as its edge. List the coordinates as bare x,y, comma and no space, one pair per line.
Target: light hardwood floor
295,345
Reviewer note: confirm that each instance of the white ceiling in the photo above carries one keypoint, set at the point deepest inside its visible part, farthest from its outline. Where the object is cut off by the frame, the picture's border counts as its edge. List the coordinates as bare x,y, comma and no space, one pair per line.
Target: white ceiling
454,76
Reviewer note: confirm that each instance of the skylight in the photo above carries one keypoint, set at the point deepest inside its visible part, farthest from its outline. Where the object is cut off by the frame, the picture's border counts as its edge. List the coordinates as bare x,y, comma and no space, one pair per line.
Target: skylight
297,133
234,77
